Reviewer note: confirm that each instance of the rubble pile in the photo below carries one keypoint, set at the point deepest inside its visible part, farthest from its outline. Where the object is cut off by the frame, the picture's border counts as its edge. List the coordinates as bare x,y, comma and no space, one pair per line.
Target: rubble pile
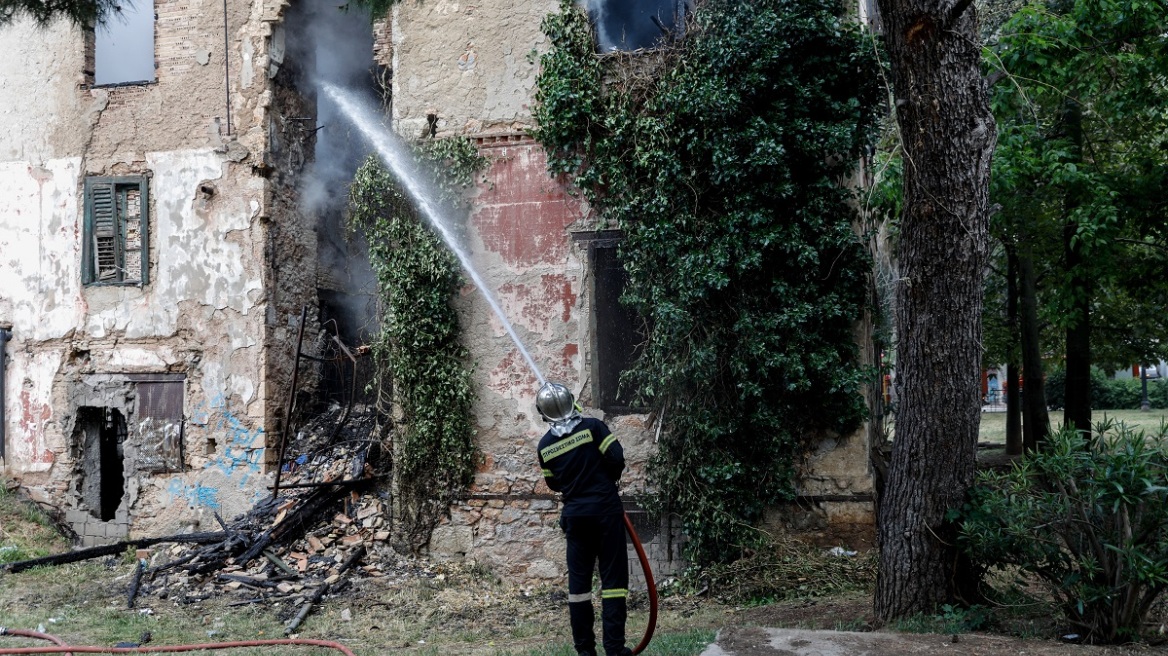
328,523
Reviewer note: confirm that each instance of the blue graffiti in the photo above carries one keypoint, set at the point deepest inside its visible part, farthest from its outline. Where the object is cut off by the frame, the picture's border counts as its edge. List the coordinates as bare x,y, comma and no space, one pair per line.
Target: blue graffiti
196,495
243,451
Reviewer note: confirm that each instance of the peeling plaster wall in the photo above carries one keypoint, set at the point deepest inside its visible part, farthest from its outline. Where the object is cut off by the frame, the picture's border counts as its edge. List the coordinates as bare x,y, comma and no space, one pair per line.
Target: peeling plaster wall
520,239
41,71
207,313
471,64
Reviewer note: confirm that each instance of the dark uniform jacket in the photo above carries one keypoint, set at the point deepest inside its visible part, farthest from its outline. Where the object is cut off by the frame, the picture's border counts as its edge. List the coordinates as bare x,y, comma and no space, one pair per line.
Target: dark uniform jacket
584,465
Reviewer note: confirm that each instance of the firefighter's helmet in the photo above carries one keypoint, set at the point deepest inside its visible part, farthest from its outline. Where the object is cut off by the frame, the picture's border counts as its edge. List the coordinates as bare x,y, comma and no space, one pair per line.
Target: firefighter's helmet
555,403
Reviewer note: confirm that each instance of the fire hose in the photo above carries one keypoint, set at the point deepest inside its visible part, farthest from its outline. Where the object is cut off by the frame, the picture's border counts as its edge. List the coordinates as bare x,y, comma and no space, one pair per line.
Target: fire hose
62,648
650,585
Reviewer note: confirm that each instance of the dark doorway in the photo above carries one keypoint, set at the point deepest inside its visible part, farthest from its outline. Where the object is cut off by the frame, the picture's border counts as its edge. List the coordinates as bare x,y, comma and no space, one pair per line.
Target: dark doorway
618,331
103,481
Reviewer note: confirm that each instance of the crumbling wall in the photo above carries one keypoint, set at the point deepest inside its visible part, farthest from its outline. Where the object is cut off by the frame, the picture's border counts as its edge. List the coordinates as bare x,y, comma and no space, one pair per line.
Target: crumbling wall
207,314
470,65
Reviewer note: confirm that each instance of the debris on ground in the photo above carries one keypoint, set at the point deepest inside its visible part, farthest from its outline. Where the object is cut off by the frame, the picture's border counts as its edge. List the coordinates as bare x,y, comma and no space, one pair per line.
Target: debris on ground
328,524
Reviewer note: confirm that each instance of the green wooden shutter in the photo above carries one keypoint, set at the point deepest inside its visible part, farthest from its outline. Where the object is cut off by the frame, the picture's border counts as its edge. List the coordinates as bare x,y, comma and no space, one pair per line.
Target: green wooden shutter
104,231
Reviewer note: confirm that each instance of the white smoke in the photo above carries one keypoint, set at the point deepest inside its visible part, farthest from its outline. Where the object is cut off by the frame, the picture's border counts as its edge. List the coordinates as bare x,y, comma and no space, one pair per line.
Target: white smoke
336,44
596,15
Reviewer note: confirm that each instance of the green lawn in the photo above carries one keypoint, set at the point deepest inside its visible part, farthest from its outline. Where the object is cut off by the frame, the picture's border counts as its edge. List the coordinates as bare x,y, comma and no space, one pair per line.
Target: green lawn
993,424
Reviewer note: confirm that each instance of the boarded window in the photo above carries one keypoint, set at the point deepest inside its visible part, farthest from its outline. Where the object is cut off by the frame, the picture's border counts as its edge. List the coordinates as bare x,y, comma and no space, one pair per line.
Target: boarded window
618,332
116,248
123,48
159,422
634,24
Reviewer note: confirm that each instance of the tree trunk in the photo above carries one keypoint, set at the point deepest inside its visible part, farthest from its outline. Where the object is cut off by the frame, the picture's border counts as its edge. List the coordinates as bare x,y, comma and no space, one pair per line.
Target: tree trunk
1077,407
948,136
1036,423
1013,407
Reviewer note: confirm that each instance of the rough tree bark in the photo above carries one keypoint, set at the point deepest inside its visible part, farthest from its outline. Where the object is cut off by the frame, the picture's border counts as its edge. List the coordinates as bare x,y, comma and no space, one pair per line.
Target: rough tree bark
1077,393
1036,422
1013,407
948,134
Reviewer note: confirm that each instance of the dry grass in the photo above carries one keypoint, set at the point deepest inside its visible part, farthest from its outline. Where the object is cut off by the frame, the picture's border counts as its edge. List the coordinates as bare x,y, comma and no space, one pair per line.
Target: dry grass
463,610
25,531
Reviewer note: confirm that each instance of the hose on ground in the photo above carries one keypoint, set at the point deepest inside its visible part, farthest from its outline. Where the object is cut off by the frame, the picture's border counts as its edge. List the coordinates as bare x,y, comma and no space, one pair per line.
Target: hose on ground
38,635
650,585
63,648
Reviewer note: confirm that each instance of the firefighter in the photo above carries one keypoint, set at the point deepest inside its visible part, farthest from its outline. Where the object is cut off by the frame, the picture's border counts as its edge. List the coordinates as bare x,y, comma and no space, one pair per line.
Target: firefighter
582,459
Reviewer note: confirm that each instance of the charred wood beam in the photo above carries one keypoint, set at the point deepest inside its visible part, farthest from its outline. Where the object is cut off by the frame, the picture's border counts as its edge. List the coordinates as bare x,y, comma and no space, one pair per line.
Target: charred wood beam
110,550
136,583
323,590
349,481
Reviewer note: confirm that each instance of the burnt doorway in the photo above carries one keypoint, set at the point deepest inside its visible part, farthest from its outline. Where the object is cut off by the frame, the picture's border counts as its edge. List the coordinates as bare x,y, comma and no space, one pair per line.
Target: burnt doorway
103,432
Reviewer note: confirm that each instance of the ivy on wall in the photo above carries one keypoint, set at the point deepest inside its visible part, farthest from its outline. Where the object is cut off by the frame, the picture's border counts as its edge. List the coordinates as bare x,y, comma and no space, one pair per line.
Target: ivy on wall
419,349
721,157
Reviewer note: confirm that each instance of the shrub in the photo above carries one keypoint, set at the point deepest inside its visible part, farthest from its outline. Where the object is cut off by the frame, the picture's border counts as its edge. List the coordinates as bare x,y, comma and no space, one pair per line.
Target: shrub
1108,393
1089,518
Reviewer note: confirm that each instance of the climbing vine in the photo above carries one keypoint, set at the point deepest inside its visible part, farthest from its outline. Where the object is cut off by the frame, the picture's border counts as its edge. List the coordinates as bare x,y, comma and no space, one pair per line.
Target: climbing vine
720,156
419,347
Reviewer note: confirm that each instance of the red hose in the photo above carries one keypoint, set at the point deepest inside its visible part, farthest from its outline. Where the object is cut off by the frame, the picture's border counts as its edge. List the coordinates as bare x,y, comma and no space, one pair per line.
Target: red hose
649,583
24,633
173,648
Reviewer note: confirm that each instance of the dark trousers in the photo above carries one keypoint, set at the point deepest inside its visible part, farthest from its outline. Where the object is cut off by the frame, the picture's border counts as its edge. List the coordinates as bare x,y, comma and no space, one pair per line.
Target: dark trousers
592,540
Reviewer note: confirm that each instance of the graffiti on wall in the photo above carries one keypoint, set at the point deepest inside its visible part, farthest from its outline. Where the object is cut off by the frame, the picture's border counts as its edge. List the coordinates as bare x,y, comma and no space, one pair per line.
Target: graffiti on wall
161,445
238,460
196,495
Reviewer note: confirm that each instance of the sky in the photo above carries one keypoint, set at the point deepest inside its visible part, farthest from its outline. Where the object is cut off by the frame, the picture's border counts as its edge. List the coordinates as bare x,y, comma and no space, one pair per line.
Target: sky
124,48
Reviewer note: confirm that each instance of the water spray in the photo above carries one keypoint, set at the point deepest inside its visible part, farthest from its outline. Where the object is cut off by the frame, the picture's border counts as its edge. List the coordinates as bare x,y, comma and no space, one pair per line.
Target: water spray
398,158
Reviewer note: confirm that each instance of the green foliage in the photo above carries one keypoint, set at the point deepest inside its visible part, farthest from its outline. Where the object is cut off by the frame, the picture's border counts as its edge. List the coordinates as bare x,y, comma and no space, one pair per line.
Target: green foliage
720,157
1081,160
1109,393
377,8
1087,517
419,347
952,619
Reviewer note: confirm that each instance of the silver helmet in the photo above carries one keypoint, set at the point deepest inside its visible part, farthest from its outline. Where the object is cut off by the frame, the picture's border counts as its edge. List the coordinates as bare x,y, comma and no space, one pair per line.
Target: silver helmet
555,403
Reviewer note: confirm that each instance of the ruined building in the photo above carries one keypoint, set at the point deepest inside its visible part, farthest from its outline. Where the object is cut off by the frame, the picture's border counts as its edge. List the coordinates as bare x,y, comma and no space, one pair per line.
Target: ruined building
153,261
155,255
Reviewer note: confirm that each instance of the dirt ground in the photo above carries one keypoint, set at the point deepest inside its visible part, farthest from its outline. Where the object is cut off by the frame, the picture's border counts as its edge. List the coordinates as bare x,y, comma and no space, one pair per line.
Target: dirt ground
755,641
442,610
759,632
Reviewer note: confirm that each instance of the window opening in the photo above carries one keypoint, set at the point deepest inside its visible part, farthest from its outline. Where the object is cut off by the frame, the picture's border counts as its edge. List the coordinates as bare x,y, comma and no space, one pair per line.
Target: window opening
159,422
634,24
116,244
123,49
618,332
103,433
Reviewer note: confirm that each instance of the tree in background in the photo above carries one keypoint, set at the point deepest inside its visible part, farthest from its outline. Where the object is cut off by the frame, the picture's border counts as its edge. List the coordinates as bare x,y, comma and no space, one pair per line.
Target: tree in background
1079,175
947,135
